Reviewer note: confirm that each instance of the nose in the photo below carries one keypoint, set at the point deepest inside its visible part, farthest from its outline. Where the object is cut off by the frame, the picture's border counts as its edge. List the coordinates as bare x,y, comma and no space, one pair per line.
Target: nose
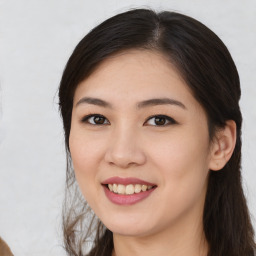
125,149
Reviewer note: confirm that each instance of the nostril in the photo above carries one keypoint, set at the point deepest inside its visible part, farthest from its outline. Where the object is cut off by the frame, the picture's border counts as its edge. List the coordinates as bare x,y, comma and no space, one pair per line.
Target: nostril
124,155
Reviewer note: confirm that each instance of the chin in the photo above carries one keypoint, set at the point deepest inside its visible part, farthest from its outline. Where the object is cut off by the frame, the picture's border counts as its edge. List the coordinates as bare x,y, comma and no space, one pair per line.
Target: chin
132,232
127,228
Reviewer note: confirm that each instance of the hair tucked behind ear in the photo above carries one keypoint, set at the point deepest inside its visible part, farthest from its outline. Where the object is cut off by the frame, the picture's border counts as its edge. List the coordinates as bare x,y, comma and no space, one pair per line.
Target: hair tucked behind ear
208,69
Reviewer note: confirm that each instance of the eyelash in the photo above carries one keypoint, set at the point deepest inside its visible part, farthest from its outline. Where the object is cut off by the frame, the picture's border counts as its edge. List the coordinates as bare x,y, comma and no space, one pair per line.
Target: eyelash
86,118
168,120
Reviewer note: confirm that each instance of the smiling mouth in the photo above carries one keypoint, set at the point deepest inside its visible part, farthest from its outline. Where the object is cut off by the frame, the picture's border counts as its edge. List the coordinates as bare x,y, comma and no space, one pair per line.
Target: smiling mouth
129,189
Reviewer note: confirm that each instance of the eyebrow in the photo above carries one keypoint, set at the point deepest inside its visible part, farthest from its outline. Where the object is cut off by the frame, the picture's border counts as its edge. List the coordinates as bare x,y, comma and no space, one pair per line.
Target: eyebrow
161,101
94,101
142,104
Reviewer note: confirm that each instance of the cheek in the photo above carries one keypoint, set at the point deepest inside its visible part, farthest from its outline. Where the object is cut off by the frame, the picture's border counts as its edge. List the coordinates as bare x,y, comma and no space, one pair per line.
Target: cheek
180,150
85,158
85,147
183,165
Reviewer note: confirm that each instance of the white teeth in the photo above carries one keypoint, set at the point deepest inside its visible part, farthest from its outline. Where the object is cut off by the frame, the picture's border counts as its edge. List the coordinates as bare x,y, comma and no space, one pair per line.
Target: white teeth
115,188
121,189
110,187
137,188
128,189
144,188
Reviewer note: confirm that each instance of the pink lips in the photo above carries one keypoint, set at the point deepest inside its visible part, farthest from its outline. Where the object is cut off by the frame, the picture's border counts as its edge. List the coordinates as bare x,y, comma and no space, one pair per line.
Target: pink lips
126,199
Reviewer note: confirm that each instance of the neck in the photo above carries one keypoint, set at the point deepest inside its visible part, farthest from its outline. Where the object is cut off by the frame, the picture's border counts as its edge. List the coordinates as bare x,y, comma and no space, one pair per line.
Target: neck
180,241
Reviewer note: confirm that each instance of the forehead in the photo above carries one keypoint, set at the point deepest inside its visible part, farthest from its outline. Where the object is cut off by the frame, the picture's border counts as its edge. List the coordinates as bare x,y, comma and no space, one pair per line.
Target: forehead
135,75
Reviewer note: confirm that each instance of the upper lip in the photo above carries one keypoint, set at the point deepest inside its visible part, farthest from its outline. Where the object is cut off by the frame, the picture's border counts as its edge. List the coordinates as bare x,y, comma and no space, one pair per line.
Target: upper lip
126,181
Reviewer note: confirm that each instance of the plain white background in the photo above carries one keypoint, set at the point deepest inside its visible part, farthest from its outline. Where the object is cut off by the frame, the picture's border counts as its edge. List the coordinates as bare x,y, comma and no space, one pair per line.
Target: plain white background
36,39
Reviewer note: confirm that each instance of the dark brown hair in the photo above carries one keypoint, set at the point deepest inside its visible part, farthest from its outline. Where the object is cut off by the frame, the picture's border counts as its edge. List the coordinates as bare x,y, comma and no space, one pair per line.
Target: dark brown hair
209,71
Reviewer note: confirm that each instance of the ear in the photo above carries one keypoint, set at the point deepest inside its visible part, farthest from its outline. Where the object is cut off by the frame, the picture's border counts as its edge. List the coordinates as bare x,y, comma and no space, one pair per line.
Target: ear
223,146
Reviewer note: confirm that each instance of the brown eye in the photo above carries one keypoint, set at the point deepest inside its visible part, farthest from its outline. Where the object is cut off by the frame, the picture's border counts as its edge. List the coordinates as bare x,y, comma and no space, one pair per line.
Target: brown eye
160,120
98,120
95,120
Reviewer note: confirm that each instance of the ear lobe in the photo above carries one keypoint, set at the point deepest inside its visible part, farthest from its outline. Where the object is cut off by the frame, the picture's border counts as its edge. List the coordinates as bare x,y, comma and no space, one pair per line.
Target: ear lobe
223,146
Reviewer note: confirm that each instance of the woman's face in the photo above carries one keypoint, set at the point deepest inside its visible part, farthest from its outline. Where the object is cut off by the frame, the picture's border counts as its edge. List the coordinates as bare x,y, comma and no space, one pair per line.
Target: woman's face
137,128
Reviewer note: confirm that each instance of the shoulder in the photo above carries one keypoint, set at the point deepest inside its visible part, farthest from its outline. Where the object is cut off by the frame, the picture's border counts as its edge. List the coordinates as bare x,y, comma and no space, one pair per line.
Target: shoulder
4,248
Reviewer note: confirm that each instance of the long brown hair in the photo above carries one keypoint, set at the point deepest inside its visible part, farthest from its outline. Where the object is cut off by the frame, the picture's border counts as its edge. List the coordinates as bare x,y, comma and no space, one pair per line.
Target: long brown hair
208,69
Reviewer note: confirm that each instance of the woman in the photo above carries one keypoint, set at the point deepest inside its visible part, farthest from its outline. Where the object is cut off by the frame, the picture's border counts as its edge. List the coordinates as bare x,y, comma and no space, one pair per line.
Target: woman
152,124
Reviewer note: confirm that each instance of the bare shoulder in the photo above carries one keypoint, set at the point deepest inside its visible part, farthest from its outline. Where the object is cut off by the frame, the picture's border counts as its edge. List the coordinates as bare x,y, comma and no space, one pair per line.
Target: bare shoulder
4,248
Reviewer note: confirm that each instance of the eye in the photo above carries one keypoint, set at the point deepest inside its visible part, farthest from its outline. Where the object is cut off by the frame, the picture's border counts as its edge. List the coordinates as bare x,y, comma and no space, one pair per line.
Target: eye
160,120
95,119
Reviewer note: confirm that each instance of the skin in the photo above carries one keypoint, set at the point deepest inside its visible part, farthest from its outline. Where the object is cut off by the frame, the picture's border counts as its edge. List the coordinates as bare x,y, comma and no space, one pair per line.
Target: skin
175,156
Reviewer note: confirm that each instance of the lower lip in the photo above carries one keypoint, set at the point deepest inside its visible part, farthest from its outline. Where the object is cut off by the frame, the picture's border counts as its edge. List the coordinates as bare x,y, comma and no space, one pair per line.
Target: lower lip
127,199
